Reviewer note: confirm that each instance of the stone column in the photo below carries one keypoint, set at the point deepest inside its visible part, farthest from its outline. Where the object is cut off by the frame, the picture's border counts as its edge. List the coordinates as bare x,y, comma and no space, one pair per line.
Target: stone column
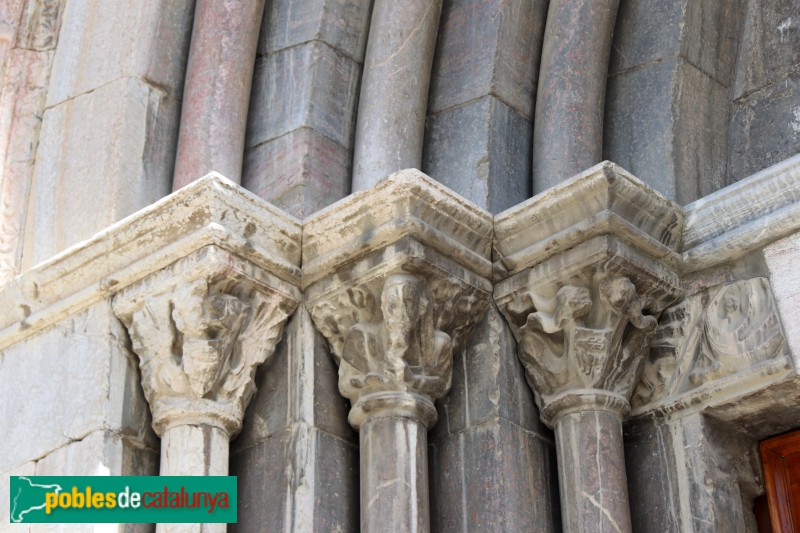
216,95
202,324
199,343
395,277
394,89
568,130
585,287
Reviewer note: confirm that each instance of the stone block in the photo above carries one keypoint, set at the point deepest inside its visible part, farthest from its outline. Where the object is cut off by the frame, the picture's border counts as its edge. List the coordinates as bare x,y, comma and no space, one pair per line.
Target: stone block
300,172
299,479
342,24
100,453
150,42
488,381
765,127
770,45
703,33
782,258
488,48
700,135
667,123
71,380
645,31
688,475
298,385
316,86
102,156
494,477
482,151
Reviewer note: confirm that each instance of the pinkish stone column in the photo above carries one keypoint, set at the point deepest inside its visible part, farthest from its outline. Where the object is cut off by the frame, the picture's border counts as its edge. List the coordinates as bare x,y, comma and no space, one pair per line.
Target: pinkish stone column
217,91
568,130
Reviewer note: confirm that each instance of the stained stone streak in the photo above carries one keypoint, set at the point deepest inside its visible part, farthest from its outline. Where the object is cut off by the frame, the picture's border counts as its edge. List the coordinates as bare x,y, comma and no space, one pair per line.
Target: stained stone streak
568,130
217,91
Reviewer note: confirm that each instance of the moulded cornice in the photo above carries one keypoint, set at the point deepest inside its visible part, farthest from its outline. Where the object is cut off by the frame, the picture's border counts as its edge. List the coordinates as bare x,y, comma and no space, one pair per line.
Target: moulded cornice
211,211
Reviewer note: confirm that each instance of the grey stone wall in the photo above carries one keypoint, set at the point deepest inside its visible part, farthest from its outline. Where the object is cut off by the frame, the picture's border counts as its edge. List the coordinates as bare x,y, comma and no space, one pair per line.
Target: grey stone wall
299,146
765,125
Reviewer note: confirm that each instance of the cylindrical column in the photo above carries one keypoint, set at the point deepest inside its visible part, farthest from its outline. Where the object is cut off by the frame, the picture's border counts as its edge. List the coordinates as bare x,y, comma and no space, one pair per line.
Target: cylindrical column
189,450
194,450
393,435
394,89
217,89
591,471
568,127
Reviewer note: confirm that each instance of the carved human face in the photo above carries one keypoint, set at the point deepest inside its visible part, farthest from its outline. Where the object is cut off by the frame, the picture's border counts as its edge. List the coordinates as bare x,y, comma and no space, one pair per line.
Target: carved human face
400,302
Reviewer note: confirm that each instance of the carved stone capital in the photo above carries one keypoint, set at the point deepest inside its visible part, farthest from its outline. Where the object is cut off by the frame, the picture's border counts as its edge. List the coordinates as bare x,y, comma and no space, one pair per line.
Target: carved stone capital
200,328
702,343
592,344
586,286
394,283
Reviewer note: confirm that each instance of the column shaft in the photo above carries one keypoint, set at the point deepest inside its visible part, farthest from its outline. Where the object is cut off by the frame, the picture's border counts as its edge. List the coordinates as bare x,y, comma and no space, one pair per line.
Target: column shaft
394,89
394,475
568,130
591,471
217,91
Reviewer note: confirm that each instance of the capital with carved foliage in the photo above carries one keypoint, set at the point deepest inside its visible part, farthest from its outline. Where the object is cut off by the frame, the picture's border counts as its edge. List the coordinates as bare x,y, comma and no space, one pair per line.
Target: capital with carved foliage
202,324
200,338
395,278
588,266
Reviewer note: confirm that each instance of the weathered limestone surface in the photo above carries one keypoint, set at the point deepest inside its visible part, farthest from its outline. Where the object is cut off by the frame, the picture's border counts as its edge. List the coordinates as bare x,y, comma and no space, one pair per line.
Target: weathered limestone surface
568,131
28,37
781,258
394,89
130,138
151,43
668,103
743,217
393,307
128,89
216,95
298,155
73,379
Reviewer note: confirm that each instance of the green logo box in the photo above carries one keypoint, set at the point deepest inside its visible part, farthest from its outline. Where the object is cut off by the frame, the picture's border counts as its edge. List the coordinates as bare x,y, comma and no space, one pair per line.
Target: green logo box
122,499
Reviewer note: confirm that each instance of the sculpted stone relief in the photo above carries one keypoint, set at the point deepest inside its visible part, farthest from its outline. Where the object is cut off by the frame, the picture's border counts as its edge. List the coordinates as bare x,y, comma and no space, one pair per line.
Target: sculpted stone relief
199,346
397,333
715,333
595,339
